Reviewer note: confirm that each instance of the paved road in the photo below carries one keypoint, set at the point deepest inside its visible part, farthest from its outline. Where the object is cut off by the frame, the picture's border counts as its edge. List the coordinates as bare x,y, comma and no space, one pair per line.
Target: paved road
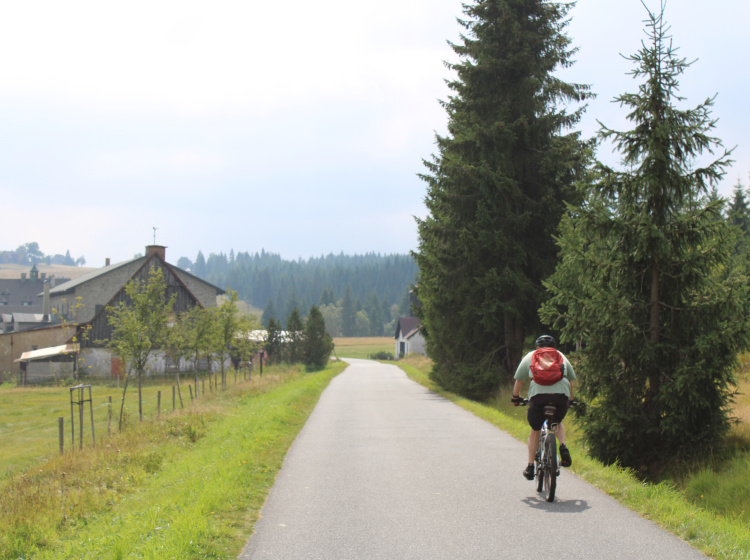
385,469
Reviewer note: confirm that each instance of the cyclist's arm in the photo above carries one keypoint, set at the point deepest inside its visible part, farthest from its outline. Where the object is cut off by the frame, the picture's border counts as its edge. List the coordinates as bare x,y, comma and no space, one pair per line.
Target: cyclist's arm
517,388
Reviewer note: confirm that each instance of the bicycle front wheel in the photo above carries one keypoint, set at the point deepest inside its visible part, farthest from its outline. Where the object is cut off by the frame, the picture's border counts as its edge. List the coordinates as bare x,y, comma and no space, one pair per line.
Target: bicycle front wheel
550,466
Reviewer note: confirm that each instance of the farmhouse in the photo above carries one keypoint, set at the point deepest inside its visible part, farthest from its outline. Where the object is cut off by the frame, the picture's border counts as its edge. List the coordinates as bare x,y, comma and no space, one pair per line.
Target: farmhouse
83,302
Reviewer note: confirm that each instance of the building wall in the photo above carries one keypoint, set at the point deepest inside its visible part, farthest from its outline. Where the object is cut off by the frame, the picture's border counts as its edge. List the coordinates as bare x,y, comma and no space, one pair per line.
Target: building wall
12,345
415,344
97,292
41,371
95,362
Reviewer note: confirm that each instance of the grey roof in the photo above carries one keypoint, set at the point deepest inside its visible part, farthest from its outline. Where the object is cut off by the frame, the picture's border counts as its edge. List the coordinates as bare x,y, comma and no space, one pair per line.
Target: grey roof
408,326
21,296
71,285
177,270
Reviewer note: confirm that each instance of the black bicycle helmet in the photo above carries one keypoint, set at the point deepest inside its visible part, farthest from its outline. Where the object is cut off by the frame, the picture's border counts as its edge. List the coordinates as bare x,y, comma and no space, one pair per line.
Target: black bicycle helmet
545,341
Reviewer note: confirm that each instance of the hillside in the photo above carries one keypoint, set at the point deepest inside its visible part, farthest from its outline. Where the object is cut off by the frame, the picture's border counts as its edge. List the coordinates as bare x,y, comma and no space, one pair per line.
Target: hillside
58,270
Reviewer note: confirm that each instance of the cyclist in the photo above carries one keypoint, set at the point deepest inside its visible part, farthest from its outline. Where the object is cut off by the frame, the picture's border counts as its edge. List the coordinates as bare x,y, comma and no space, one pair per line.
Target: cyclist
559,394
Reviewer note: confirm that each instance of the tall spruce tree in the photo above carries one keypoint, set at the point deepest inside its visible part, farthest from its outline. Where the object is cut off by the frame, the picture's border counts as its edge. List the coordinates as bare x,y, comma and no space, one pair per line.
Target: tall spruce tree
348,313
317,343
496,190
646,280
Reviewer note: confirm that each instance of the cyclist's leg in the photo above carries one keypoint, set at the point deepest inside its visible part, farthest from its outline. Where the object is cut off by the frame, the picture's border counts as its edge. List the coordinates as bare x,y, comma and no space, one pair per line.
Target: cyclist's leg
565,458
560,433
533,443
535,420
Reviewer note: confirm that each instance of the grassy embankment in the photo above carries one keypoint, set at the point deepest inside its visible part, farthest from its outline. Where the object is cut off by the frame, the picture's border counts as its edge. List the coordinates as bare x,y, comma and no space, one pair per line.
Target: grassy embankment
187,485
706,504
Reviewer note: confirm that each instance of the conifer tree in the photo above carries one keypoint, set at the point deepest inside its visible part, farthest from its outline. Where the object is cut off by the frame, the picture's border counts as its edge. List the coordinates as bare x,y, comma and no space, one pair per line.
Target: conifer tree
295,332
646,280
496,190
738,211
268,313
348,313
318,344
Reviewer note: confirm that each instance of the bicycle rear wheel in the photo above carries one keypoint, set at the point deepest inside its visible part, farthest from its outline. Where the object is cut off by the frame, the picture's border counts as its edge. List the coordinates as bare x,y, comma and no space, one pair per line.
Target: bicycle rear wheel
540,465
550,466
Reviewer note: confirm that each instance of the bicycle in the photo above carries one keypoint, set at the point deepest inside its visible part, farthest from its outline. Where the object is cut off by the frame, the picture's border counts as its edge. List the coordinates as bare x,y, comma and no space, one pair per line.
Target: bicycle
547,461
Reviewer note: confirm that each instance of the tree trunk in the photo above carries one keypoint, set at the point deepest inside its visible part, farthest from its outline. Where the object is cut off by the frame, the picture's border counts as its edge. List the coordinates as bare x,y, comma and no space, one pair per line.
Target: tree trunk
140,396
654,326
122,403
654,378
513,344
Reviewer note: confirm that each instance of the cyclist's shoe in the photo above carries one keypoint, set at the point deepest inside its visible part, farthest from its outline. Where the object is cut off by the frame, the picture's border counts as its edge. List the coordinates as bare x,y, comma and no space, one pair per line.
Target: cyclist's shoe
529,472
565,459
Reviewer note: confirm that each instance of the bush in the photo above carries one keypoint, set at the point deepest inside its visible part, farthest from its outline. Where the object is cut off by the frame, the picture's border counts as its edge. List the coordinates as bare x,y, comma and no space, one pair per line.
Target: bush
382,355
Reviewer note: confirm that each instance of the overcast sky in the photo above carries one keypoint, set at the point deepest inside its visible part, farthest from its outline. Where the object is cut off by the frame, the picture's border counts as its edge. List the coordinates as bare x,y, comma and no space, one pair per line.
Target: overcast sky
295,127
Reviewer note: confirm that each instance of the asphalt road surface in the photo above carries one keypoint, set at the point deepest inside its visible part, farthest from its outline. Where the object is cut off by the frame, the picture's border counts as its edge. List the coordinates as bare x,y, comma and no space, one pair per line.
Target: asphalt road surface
385,469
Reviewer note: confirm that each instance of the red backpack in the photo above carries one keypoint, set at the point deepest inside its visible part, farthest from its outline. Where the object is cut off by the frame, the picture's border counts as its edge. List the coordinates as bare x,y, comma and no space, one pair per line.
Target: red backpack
547,366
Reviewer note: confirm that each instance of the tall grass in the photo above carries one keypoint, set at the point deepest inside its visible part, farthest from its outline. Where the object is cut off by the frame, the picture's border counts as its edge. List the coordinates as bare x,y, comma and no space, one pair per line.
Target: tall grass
188,485
29,418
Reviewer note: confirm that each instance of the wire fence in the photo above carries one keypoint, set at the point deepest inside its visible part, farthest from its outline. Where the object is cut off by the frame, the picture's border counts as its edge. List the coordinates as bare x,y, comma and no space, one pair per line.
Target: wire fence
59,426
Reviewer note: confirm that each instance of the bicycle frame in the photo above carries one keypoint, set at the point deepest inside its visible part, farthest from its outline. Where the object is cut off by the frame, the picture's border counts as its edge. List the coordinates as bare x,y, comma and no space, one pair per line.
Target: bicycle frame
547,464
547,461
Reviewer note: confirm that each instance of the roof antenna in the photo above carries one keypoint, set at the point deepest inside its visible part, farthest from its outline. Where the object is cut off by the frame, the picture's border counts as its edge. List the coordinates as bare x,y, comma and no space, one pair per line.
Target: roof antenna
155,228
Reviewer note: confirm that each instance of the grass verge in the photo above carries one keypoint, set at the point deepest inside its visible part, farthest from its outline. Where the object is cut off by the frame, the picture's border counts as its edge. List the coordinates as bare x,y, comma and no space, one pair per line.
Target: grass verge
189,485
719,536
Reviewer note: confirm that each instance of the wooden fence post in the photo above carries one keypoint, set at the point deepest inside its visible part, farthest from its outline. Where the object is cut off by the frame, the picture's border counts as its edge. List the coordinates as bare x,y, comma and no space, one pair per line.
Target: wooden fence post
61,434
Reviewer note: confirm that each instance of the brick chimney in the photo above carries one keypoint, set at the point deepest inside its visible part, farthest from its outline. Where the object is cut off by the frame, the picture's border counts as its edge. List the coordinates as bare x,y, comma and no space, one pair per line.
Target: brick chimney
106,261
160,250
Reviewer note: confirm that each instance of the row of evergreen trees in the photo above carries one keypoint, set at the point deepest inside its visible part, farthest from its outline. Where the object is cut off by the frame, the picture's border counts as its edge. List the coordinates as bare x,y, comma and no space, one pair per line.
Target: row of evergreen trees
637,268
360,295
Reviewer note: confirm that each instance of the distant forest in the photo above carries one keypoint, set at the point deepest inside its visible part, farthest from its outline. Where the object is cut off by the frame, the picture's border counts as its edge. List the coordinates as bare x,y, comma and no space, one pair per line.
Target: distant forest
359,295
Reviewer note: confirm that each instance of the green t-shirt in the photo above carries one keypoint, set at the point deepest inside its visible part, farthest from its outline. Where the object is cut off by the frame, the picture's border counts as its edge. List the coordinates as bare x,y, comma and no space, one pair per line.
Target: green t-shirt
562,387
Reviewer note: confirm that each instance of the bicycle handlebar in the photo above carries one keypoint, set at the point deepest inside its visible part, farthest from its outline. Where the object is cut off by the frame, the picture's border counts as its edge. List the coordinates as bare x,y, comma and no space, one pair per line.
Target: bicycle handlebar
573,403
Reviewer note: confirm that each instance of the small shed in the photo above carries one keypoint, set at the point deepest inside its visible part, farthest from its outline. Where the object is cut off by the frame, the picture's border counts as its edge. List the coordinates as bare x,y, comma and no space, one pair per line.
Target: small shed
47,364
408,338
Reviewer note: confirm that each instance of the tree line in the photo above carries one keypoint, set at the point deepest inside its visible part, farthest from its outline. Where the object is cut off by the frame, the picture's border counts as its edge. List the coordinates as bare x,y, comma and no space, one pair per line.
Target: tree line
30,253
639,270
359,295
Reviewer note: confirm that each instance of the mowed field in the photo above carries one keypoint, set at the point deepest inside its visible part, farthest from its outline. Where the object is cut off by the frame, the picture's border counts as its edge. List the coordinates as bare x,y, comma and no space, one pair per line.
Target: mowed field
59,271
362,347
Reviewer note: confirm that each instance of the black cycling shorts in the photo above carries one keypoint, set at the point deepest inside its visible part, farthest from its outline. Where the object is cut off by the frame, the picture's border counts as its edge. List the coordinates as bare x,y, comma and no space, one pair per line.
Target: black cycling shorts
535,415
